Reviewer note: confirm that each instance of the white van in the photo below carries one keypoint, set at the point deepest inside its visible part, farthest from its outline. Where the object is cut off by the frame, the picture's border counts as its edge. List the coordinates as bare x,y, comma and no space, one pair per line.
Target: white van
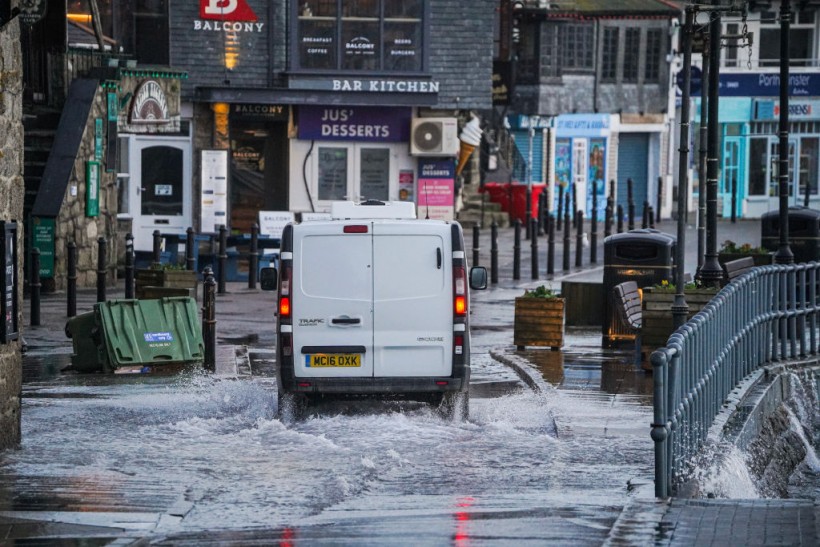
374,301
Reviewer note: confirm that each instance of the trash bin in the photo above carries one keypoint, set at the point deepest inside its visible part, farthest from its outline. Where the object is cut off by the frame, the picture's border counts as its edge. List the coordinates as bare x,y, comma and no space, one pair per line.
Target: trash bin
131,336
804,232
644,256
519,201
84,331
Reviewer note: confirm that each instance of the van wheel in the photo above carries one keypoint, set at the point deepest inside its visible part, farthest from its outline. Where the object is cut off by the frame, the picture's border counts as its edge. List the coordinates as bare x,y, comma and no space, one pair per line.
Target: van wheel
455,405
291,407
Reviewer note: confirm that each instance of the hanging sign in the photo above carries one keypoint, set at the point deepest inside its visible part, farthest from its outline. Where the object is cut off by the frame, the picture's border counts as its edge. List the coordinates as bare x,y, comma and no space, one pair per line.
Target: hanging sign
149,105
32,11
92,188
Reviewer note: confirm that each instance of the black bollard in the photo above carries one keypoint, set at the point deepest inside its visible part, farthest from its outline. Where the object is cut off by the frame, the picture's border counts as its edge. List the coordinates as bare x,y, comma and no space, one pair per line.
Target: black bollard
630,205
35,287
534,248
190,261
651,217
574,206
157,249
542,213
551,245
560,206
620,218
71,280
660,199
607,222
253,257
209,319
102,256
222,258
593,228
645,215
517,250
567,228
129,266
494,252
579,240
476,247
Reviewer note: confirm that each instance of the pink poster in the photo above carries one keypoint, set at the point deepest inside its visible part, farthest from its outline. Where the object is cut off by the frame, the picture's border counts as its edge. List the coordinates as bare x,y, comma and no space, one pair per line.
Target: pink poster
436,189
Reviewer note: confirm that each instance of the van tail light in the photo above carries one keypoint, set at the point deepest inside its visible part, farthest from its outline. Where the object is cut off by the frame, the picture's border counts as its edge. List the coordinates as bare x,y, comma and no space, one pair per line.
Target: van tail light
285,308
459,291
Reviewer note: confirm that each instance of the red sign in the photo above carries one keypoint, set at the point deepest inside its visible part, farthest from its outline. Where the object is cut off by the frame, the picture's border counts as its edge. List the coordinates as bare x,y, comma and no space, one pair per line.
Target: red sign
226,10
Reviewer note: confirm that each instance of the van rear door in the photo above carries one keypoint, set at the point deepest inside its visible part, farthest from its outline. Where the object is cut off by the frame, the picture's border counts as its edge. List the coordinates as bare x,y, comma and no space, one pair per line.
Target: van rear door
412,299
332,299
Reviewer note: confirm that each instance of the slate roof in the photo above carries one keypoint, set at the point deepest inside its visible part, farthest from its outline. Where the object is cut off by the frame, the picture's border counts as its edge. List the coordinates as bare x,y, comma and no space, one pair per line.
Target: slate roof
613,8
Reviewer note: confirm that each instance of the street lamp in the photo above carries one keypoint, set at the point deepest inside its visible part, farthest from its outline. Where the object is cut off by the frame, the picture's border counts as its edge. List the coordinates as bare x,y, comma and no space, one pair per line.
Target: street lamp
784,253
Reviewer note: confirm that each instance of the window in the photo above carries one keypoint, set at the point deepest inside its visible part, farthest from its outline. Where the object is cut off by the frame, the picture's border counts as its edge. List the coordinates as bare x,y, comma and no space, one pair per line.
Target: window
576,46
731,45
801,39
528,58
151,32
162,181
654,43
809,165
609,58
632,47
374,173
359,35
550,52
332,173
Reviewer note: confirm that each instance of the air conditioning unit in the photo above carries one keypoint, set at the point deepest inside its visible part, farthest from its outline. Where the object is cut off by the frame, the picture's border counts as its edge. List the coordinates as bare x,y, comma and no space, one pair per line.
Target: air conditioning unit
434,137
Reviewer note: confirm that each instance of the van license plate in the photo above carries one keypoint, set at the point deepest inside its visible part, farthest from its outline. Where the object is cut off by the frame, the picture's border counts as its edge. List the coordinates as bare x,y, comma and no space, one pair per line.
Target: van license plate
317,360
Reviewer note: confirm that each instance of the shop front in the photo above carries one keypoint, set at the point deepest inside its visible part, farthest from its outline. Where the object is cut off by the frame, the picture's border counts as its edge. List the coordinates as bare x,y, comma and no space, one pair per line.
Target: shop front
352,152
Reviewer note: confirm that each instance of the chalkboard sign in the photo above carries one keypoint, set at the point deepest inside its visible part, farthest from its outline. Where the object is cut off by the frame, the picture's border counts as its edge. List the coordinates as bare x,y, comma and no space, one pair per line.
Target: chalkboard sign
8,281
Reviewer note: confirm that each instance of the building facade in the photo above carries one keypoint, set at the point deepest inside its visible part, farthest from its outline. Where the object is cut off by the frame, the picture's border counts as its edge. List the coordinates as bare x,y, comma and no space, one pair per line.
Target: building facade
600,74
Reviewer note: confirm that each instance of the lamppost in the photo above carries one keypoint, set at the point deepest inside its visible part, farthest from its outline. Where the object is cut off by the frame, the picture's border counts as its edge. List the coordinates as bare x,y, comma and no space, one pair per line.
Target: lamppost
680,309
784,253
711,273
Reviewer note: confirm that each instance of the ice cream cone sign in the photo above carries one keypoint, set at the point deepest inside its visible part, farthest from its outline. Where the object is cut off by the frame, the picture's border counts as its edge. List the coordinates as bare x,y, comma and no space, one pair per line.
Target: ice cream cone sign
470,138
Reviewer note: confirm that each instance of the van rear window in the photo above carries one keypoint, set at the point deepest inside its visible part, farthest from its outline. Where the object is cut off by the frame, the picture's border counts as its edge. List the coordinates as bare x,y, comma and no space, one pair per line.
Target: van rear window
335,266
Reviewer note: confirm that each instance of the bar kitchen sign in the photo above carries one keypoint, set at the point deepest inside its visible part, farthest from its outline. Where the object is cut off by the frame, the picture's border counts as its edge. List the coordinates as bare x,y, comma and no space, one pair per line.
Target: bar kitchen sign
227,16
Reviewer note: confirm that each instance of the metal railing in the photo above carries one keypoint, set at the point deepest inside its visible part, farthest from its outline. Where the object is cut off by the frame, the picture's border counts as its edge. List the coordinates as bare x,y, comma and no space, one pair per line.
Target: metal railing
767,315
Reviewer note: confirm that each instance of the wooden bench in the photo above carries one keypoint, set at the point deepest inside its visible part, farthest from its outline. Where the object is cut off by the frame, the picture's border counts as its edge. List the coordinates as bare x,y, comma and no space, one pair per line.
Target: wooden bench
628,304
735,268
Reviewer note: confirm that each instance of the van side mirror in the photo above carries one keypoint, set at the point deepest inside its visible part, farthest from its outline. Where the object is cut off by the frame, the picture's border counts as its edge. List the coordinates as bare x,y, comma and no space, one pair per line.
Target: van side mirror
478,278
269,279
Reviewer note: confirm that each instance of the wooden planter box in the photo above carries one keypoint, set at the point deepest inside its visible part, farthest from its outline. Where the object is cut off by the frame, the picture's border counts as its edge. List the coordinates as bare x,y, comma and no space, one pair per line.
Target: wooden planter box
656,311
539,322
150,283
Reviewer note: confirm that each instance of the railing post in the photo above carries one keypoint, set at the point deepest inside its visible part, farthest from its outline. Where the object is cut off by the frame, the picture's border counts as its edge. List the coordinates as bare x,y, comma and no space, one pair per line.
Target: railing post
494,252
35,286
659,431
223,258
129,266
476,247
101,268
71,280
253,257
534,248
209,319
157,248
517,250
190,261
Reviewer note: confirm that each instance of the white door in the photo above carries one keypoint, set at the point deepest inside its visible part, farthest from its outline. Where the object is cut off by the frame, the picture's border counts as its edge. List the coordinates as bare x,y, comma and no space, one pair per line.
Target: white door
331,306
412,302
160,187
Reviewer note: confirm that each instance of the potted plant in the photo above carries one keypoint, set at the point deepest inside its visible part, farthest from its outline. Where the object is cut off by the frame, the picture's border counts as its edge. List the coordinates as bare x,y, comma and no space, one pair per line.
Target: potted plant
732,251
539,319
164,280
656,311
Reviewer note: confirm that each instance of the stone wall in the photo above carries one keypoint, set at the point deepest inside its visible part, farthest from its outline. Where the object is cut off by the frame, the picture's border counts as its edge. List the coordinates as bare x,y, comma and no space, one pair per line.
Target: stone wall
11,208
73,225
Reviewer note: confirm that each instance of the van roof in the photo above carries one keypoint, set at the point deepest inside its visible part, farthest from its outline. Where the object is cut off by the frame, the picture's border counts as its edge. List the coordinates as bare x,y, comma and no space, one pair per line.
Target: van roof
372,209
